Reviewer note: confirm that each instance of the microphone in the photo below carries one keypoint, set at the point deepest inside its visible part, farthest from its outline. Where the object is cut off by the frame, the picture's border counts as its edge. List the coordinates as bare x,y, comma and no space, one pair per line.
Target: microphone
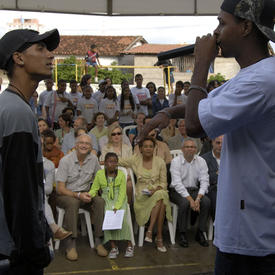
176,52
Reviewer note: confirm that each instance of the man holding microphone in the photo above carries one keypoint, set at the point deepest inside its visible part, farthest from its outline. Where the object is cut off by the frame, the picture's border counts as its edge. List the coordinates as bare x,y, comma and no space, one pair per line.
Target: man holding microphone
243,109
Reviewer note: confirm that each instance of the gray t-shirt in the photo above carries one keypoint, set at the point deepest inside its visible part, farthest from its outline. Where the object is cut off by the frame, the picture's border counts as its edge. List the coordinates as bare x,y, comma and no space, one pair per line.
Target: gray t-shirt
43,97
123,116
109,107
53,101
98,96
75,97
88,108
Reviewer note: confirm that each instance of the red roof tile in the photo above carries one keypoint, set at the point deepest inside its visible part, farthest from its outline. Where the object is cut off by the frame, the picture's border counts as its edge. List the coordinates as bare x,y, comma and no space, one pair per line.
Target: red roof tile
106,45
153,48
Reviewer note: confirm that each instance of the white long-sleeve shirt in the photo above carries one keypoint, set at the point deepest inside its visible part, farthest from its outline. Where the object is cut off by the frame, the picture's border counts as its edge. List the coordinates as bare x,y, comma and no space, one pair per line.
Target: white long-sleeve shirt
188,174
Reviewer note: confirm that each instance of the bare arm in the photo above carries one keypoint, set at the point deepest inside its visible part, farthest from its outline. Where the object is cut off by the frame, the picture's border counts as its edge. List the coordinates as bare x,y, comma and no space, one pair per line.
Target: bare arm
62,190
205,52
161,120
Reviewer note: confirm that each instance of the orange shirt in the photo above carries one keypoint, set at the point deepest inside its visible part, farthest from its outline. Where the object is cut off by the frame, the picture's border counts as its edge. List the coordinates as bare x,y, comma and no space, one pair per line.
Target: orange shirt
55,155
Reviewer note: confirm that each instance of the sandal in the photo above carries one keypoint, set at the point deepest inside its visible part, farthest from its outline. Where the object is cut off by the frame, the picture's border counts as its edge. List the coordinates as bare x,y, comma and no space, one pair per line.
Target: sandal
160,246
148,237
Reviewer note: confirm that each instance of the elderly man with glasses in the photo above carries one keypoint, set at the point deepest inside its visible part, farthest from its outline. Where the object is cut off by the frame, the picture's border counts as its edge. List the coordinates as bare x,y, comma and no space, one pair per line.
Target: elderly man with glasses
190,181
74,178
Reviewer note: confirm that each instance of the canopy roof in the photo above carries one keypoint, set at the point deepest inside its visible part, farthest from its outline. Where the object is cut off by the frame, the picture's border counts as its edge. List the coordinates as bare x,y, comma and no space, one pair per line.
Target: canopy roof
117,7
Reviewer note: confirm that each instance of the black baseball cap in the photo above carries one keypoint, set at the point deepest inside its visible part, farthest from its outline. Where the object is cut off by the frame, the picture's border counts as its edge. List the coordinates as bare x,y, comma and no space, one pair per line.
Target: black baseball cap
260,12
19,40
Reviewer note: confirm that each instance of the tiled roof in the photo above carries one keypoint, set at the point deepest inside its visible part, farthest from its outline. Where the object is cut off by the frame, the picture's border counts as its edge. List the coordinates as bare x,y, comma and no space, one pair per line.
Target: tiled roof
153,48
106,45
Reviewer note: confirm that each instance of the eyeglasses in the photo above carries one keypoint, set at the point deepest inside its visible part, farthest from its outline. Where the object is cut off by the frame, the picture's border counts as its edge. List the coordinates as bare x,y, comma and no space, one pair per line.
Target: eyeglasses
189,147
116,134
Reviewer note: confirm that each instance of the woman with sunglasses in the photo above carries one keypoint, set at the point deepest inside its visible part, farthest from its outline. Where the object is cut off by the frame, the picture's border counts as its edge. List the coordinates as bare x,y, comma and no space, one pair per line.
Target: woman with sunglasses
116,145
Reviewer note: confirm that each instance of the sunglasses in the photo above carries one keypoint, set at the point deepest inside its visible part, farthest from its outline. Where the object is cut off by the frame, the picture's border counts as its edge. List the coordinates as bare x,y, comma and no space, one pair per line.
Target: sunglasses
116,134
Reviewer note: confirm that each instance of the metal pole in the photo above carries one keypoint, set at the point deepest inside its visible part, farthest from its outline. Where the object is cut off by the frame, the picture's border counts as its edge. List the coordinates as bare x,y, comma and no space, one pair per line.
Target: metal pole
164,82
169,82
55,64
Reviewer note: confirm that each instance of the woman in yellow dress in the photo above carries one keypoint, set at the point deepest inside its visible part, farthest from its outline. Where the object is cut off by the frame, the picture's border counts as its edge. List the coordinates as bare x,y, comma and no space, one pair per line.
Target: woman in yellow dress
151,198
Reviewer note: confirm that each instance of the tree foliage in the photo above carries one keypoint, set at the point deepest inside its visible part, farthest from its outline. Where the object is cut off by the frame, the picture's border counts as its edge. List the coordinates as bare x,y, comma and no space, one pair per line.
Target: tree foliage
66,70
217,76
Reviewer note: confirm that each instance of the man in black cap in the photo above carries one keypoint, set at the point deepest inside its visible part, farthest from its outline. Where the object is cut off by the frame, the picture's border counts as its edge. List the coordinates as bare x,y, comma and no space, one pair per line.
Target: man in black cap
243,109
26,57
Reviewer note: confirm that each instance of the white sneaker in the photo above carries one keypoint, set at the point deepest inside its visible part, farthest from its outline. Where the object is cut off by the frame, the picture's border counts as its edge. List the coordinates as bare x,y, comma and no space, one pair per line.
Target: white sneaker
129,252
113,253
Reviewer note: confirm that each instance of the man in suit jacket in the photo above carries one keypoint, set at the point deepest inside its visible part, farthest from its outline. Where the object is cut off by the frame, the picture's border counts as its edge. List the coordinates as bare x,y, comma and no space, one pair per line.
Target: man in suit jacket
212,159
175,142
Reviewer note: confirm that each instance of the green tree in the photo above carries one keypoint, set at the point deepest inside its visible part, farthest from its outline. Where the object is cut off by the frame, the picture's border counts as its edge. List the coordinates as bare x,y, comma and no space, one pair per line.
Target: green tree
114,73
217,76
67,69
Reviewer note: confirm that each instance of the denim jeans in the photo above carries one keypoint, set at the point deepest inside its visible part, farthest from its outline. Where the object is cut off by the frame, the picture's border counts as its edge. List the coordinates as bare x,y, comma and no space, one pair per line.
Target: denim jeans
235,264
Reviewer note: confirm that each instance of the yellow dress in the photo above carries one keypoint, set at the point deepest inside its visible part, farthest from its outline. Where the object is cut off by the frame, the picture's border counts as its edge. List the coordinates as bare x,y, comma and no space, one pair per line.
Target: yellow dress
148,179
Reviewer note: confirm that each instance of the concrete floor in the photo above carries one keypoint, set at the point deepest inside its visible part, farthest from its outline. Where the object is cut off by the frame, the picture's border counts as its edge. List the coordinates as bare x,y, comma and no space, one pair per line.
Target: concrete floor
147,260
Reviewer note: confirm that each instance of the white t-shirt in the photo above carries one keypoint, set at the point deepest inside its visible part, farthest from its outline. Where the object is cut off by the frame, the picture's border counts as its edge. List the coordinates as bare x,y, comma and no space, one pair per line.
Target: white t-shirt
87,107
141,95
108,107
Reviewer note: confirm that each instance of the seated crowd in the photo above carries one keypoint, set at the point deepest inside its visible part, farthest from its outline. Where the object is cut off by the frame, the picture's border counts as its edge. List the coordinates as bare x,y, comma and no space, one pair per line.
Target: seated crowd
85,136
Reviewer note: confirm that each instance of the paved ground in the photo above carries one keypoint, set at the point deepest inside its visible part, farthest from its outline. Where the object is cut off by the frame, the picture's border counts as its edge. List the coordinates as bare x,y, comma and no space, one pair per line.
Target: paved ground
147,260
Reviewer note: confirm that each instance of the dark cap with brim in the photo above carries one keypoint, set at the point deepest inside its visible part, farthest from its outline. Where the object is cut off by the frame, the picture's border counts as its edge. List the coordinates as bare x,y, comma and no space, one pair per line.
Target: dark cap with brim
15,40
260,12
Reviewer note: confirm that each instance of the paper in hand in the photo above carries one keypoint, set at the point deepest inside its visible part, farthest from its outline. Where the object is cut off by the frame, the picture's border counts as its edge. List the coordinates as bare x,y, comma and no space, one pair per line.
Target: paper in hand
113,220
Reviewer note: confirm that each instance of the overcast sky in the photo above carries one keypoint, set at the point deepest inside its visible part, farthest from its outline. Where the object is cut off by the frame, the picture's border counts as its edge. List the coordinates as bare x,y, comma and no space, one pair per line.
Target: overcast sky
157,29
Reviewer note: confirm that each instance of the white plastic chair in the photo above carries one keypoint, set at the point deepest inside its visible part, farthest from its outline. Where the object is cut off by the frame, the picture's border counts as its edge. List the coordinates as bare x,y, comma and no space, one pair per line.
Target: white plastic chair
61,213
175,153
175,210
210,229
